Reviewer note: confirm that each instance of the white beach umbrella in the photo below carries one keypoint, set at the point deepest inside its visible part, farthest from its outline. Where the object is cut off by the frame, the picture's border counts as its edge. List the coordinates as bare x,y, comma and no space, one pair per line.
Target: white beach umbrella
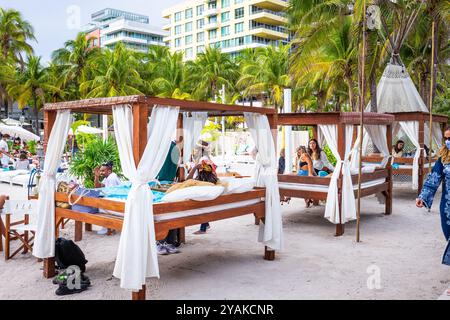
14,122
86,129
17,131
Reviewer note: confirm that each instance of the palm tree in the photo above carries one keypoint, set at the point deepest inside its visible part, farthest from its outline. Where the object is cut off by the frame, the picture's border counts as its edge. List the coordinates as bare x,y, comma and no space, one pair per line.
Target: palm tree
115,74
169,74
75,59
14,36
266,73
209,72
30,87
333,62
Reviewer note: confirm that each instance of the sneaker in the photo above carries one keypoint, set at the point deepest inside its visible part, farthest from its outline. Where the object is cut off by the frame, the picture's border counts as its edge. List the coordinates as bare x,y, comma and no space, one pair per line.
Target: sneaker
102,231
161,249
171,248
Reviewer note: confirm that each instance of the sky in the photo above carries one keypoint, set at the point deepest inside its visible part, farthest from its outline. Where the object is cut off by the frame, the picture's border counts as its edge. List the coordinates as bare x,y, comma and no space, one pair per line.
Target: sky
56,21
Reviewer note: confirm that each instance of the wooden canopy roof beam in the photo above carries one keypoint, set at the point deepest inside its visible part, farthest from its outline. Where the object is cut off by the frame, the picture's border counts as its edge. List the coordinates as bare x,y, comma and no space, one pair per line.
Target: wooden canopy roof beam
104,105
313,119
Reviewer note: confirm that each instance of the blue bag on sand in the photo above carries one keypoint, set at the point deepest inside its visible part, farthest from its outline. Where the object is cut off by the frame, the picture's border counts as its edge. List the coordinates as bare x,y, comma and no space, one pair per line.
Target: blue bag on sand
83,192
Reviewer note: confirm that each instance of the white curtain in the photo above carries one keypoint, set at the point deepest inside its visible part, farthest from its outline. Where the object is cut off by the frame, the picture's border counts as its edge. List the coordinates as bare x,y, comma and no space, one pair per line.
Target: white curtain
192,129
354,156
378,136
411,129
136,256
44,243
348,198
271,232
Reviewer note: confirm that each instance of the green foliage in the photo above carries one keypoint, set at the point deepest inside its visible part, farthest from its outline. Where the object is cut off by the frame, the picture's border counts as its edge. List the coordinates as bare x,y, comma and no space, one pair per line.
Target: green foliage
32,146
94,154
329,154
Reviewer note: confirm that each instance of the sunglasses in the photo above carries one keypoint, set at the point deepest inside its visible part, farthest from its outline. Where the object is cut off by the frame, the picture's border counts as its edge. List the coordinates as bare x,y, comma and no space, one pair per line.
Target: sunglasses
447,138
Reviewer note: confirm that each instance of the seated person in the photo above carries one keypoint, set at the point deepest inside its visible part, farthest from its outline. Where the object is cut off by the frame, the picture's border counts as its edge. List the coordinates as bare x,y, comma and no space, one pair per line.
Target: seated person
321,165
105,171
110,179
397,150
282,162
22,163
305,168
304,163
206,171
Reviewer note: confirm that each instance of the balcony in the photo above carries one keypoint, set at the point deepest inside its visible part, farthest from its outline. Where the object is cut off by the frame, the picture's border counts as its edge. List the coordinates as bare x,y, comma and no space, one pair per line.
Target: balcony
275,5
211,12
268,16
264,31
211,25
167,27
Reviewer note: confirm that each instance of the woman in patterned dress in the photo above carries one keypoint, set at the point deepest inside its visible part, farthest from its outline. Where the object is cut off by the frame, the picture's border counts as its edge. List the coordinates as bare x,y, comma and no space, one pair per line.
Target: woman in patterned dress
440,173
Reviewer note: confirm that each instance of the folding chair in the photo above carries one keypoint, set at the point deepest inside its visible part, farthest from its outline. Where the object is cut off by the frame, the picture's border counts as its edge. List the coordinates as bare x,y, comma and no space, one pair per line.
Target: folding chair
20,230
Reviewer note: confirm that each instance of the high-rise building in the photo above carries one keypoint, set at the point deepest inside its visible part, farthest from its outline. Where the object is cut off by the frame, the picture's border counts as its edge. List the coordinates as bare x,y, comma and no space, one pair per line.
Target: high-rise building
232,25
111,26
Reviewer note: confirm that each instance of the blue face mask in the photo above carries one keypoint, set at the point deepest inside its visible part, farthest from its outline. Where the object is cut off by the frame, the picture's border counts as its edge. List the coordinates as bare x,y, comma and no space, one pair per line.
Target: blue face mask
447,143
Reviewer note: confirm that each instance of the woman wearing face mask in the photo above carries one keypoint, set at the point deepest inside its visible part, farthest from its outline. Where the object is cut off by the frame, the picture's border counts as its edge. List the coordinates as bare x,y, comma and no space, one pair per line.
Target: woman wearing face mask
440,173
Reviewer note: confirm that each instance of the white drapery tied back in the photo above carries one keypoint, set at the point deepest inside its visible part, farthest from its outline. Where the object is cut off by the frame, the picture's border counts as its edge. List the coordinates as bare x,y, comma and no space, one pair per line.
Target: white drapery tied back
332,212
270,232
136,257
44,243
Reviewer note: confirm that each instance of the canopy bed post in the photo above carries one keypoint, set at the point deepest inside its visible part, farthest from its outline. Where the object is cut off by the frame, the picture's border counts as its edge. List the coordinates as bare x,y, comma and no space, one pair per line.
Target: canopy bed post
49,120
340,227
180,143
388,204
273,123
180,171
140,118
315,134
422,154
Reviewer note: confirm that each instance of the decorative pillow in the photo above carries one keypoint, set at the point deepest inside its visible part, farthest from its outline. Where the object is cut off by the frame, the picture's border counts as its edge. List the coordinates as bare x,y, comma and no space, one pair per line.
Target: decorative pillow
198,193
238,185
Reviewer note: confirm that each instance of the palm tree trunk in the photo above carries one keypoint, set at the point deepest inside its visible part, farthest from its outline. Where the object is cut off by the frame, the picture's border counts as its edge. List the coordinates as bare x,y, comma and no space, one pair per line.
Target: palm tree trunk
373,93
351,92
36,115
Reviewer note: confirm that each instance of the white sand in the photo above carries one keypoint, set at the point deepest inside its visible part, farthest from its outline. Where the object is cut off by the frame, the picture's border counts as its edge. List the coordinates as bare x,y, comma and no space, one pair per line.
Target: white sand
227,263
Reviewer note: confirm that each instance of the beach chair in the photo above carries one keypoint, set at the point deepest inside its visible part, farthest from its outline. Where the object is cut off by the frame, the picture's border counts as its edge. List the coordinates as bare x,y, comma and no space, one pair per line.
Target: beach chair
20,229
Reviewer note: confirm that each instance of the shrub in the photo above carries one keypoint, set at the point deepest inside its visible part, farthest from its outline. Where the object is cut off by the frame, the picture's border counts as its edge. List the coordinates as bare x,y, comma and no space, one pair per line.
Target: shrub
95,153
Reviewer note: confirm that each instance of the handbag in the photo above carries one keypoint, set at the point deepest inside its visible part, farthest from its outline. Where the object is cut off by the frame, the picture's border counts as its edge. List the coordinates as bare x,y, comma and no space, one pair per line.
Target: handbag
84,192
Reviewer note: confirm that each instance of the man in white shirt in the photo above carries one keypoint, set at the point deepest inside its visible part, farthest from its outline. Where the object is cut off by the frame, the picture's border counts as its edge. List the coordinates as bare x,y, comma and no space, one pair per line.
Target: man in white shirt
4,149
110,179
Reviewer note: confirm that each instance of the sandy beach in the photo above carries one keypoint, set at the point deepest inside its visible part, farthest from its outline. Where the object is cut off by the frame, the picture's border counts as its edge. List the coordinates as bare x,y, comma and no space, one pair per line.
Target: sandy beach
403,251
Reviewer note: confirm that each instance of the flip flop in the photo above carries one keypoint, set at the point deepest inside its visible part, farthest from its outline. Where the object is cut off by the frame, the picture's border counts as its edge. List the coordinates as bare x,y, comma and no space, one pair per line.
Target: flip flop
63,290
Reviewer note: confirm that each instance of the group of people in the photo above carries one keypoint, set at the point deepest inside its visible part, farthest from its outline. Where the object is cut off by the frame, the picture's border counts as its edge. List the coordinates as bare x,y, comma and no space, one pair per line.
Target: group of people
311,161
18,156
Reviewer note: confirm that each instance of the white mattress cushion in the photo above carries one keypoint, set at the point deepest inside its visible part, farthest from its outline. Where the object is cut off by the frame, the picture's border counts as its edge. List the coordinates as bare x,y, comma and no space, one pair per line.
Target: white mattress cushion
194,212
198,193
238,185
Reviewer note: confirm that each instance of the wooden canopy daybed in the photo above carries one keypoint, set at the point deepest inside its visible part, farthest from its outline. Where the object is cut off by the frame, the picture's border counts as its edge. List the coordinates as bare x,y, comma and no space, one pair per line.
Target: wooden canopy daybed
314,187
405,163
167,216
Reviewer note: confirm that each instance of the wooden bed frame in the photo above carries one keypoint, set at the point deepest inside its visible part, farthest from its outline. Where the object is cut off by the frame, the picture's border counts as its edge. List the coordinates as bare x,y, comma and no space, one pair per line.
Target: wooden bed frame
141,106
341,119
422,118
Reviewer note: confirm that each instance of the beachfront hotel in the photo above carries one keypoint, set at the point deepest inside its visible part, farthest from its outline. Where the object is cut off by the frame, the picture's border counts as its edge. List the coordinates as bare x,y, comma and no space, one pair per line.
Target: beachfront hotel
111,26
231,25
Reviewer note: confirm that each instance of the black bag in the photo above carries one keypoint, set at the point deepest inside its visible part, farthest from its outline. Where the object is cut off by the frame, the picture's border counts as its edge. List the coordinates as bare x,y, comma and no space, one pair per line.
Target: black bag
67,254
